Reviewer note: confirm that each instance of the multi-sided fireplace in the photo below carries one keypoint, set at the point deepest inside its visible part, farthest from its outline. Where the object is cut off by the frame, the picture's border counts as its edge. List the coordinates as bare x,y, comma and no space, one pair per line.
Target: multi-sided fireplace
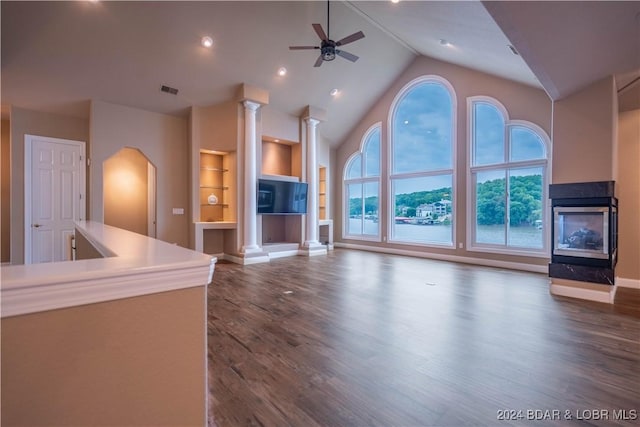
584,231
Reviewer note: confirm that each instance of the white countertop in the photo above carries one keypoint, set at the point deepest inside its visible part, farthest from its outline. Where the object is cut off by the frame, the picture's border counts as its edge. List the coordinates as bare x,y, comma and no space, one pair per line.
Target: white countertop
134,265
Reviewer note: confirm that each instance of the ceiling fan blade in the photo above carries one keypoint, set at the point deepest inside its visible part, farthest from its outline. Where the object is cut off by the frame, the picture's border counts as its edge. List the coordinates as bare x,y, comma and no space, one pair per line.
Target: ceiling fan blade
318,61
350,39
303,47
320,31
346,55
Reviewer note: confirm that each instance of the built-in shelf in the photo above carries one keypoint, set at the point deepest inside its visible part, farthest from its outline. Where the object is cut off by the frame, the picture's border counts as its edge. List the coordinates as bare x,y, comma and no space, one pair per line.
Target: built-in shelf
215,180
207,168
322,193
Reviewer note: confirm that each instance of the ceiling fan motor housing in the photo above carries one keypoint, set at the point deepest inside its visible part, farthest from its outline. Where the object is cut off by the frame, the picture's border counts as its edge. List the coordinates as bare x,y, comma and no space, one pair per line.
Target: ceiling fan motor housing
328,50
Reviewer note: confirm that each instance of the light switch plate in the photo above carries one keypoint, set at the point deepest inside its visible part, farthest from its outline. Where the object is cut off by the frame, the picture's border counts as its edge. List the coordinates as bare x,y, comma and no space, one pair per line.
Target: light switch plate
178,211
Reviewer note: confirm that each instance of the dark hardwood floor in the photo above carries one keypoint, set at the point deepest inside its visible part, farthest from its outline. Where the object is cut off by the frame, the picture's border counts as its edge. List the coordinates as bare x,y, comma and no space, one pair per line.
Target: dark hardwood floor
364,339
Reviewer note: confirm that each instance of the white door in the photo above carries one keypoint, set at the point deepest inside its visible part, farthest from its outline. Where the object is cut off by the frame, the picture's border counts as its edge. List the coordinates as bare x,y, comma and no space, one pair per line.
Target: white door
54,196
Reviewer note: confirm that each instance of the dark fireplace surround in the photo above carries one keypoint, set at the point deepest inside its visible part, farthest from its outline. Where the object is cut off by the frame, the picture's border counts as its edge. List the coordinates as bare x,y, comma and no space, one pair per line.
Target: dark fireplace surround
584,231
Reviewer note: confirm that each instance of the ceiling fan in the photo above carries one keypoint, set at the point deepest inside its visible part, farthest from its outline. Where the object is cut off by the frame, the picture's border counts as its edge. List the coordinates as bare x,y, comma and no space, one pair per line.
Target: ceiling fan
328,47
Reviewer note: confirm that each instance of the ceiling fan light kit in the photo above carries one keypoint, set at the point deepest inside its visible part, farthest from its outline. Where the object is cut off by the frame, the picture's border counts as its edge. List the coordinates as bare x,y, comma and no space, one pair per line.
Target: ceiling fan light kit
328,47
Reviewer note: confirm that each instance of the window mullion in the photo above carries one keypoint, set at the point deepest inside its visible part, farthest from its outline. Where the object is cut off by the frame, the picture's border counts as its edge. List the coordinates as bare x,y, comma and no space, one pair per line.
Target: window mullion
362,210
507,206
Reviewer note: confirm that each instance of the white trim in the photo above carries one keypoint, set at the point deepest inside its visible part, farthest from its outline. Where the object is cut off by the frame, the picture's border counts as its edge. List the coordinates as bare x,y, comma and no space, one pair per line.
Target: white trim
205,355
140,266
82,185
363,237
603,296
362,180
68,292
508,250
448,246
391,175
507,166
627,283
452,258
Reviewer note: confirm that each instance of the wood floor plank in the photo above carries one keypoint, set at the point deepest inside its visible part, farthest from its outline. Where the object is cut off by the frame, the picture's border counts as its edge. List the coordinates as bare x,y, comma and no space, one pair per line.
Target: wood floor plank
364,339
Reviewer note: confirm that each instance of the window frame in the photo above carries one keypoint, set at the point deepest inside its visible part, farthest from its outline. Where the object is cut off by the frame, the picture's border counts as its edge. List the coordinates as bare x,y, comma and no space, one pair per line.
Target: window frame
507,165
392,176
362,180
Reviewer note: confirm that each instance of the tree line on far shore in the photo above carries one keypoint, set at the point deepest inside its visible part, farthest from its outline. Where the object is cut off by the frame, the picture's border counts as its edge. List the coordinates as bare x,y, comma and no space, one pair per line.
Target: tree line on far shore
525,201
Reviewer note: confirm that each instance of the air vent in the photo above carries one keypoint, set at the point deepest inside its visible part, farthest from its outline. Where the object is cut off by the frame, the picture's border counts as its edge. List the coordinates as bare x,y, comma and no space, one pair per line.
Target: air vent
513,50
171,90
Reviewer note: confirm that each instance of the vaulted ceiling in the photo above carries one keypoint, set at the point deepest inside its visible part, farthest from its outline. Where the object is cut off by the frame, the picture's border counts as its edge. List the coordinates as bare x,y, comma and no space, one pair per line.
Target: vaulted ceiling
55,56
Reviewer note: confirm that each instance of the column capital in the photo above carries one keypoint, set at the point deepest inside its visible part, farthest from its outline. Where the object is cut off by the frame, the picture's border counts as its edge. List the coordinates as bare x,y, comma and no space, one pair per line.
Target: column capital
316,113
251,105
311,121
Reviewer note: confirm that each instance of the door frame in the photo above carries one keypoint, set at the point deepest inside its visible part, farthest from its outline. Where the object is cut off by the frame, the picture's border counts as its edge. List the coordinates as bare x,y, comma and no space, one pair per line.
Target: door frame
28,142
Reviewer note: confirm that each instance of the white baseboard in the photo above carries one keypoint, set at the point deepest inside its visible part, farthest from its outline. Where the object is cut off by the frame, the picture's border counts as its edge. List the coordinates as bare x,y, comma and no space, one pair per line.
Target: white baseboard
605,296
628,283
453,258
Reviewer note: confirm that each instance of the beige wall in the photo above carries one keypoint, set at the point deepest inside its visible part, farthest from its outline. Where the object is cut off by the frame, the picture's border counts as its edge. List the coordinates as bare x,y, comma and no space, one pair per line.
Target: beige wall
26,122
84,248
163,139
136,361
276,158
5,194
584,134
521,101
125,186
216,126
277,124
628,191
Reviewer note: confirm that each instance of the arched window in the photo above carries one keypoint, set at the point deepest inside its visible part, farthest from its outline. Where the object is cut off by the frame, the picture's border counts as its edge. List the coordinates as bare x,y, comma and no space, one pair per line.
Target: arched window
362,189
422,129
508,173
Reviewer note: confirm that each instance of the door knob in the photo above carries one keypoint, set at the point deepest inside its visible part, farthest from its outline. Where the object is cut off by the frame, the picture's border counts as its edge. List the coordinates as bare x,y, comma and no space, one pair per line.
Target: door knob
36,225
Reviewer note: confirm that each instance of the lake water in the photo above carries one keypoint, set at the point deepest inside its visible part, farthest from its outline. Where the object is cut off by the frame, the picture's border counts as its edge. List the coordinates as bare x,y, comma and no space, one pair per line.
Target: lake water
523,236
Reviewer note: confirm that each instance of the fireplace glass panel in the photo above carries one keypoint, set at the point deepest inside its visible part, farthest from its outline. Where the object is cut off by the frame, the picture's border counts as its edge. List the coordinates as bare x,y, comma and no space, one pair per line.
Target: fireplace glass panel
581,231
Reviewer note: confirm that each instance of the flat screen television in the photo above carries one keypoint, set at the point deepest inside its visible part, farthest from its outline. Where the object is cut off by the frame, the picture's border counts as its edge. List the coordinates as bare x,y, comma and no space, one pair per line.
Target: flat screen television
282,197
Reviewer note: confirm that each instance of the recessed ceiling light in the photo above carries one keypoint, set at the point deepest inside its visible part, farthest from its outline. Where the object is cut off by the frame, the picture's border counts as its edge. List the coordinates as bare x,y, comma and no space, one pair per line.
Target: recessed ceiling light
406,122
206,41
395,1
334,92
444,42
282,71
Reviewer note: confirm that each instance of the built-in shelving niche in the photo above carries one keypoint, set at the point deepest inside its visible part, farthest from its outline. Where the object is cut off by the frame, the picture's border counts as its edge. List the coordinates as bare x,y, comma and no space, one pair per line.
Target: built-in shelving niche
322,193
281,159
217,186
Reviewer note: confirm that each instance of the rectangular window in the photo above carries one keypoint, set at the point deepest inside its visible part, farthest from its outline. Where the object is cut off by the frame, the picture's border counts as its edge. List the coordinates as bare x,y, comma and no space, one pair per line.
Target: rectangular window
364,206
525,208
423,210
354,225
491,194
370,225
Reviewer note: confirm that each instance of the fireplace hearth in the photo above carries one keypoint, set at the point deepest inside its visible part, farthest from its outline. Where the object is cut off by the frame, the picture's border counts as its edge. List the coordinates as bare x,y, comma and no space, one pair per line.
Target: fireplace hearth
584,231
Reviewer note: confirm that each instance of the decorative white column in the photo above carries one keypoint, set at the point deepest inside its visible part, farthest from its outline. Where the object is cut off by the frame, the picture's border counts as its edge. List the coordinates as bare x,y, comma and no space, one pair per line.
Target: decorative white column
250,223
312,178
312,181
